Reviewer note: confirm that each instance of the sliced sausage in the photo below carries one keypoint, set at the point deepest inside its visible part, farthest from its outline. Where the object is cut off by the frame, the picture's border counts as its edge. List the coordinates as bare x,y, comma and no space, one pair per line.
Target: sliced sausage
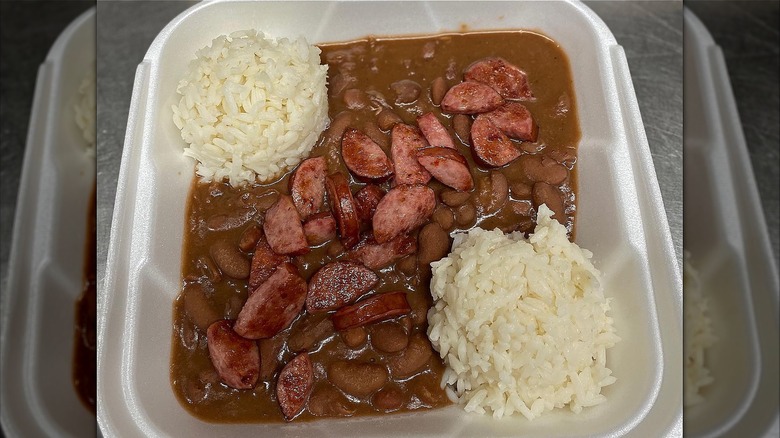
490,146
413,359
358,379
273,305
514,120
386,119
283,228
307,186
438,90
235,358
405,142
508,80
448,167
198,306
294,385
364,158
470,98
308,332
374,309
539,168
461,124
388,337
378,255
229,259
250,237
544,193
342,204
337,284
264,263
327,401
406,91
320,228
366,200
435,133
434,243
401,210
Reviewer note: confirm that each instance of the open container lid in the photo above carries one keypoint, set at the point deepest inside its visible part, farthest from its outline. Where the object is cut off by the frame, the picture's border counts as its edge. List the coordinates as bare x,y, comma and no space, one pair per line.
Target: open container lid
623,223
737,271
46,266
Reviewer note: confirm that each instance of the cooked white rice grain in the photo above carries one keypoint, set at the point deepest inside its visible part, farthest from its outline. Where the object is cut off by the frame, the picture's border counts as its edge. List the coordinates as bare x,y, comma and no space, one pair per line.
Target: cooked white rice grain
522,324
252,106
699,335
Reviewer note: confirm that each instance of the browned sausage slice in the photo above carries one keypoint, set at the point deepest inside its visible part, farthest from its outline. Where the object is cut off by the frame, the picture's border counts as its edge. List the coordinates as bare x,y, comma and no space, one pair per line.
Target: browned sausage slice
264,263
283,228
406,140
448,166
236,359
273,305
401,210
294,386
320,228
342,204
378,255
491,146
337,284
434,131
377,308
471,98
307,186
514,120
364,158
366,200
508,80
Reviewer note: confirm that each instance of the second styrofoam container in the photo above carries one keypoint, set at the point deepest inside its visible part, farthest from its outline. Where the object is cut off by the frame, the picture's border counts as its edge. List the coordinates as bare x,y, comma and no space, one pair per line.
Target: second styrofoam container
726,235
620,218
46,266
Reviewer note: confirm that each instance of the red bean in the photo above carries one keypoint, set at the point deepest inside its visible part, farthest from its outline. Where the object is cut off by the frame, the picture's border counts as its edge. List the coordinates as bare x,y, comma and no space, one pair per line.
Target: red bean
434,243
388,337
250,237
438,90
413,359
543,169
198,306
389,399
354,337
406,90
544,193
229,259
327,401
386,119
358,379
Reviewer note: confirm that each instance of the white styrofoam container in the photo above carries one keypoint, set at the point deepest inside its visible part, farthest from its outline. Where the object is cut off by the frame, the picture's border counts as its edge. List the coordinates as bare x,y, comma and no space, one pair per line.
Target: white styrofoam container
620,218
46,266
726,234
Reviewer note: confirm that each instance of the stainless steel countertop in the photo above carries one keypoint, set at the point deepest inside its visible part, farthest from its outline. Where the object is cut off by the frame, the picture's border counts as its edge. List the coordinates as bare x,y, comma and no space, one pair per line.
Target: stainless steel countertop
650,32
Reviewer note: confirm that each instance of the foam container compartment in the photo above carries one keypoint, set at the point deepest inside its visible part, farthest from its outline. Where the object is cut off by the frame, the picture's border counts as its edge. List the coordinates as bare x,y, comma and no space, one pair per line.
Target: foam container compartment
738,273
621,219
46,265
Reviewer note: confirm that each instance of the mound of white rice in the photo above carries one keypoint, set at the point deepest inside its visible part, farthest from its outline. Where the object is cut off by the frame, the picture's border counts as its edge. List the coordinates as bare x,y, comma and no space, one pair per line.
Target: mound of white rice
521,323
84,110
252,106
698,335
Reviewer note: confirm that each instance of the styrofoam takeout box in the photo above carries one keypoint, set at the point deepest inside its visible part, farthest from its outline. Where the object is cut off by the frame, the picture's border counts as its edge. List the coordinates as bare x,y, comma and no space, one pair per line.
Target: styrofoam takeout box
46,266
621,219
726,234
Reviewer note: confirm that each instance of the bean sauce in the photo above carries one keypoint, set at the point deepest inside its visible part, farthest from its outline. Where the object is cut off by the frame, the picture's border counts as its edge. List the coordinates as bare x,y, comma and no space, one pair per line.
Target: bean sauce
387,366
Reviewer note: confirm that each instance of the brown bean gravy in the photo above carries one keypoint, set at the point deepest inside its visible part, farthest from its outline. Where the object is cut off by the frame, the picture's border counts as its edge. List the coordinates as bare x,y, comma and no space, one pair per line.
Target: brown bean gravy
84,356
388,365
